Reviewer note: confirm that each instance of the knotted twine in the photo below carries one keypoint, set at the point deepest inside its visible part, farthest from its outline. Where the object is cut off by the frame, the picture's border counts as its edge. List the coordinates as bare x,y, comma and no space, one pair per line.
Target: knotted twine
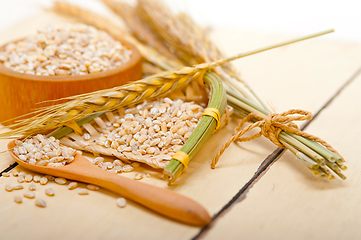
271,126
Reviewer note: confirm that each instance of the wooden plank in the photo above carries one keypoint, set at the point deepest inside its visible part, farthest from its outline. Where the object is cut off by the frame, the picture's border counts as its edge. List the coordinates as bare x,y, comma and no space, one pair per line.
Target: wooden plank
289,203
301,75
98,216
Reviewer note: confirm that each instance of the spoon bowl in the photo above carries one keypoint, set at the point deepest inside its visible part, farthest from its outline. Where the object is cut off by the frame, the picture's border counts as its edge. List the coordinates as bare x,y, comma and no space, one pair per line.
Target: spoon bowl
162,201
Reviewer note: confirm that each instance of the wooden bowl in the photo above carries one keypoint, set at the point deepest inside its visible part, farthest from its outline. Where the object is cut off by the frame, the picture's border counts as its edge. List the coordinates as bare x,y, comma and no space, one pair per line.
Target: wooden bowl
21,93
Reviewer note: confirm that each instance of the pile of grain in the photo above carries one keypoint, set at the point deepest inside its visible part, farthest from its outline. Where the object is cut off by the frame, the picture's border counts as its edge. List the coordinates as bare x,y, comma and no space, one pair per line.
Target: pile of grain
72,49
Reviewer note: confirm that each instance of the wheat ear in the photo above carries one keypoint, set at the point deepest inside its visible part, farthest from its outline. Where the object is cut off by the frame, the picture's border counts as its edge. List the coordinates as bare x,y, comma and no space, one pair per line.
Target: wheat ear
191,43
80,106
139,29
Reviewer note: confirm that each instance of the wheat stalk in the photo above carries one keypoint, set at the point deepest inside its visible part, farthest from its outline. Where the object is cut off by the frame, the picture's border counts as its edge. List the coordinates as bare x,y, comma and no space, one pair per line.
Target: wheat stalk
80,106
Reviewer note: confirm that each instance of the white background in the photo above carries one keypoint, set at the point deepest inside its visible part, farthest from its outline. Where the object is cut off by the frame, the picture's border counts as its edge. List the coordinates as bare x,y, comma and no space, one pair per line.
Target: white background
276,16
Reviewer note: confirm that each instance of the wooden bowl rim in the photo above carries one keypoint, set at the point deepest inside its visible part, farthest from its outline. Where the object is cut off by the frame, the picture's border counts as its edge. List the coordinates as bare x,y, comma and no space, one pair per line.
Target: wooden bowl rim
134,59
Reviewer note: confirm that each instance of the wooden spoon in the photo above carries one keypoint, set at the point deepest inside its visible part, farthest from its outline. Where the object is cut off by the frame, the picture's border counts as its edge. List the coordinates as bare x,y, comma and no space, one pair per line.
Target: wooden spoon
160,200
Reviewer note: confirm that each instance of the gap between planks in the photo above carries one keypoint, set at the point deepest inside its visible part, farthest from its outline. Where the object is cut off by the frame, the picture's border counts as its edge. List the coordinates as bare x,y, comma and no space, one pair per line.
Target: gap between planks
266,164
11,166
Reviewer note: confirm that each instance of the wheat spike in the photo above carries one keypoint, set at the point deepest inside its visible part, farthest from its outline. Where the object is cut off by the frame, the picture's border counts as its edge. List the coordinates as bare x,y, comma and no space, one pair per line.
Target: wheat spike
139,29
91,18
191,43
184,35
178,31
80,106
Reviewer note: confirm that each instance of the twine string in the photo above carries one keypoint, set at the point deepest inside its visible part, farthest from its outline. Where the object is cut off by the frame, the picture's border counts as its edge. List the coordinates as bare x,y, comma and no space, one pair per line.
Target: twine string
271,126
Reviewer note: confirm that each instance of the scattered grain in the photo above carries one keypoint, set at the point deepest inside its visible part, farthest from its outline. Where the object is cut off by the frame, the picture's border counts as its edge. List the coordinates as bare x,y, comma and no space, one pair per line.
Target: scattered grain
49,192
32,186
138,176
60,181
20,179
30,195
83,191
40,203
28,177
9,187
16,172
5,174
43,180
121,202
18,199
92,187
50,178
36,178
18,186
72,185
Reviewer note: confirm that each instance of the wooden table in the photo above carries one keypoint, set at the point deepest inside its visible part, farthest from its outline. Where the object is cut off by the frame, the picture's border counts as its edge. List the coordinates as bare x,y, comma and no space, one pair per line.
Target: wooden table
257,191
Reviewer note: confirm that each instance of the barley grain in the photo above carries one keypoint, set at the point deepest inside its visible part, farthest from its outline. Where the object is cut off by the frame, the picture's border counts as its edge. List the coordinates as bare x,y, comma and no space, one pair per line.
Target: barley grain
135,164
121,202
117,162
60,181
20,179
16,172
92,187
72,185
128,168
138,176
28,177
18,186
40,203
30,195
49,177
9,187
43,180
36,178
32,186
118,169
49,192
18,199
83,191
108,165
86,136
98,160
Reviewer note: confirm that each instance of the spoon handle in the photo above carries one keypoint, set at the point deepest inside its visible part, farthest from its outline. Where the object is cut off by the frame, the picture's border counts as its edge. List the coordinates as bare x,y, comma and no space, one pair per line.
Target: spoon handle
160,200
163,201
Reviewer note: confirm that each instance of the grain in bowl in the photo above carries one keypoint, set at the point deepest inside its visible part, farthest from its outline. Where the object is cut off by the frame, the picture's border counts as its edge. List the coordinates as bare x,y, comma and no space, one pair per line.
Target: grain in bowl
71,49
61,61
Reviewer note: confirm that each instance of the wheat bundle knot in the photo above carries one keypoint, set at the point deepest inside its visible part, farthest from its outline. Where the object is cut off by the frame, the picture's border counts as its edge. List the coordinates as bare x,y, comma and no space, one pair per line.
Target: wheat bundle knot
271,126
